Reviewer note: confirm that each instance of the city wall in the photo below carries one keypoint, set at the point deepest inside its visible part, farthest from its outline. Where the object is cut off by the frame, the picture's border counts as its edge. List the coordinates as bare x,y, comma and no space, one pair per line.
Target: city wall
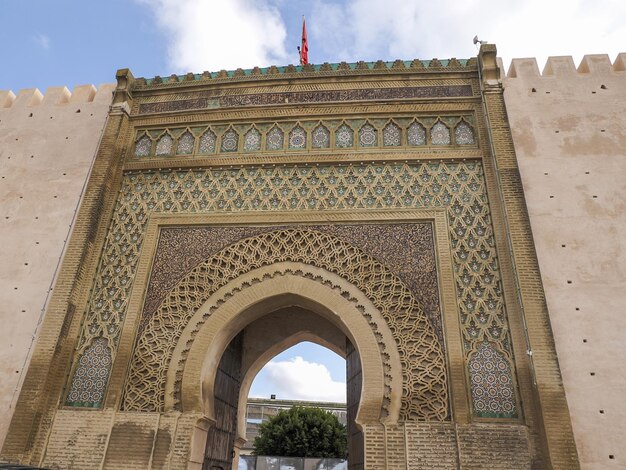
569,130
47,143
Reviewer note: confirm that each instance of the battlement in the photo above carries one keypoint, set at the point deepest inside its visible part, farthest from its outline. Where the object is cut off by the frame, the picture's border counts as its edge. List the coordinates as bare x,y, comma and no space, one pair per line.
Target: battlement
290,71
564,67
55,96
556,66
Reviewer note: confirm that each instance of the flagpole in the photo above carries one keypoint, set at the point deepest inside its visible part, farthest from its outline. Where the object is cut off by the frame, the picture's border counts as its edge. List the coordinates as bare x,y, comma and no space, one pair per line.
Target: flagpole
304,48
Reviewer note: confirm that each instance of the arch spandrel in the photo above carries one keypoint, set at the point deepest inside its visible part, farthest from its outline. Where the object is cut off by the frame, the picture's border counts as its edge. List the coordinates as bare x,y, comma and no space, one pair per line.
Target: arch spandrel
423,364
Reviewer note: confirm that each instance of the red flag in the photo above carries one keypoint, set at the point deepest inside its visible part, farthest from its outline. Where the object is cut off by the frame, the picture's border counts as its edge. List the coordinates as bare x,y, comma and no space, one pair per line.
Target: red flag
304,50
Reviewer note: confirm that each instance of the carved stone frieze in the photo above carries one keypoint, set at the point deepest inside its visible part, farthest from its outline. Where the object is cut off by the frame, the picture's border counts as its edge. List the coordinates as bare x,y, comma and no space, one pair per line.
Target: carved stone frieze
264,99
407,249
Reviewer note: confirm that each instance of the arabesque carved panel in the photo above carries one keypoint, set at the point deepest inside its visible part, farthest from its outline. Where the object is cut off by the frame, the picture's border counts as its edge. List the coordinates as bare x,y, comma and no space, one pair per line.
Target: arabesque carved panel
425,390
407,249
308,134
456,186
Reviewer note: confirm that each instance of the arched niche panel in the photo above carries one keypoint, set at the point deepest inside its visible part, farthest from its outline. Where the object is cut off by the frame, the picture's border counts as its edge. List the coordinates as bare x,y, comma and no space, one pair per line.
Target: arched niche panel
424,388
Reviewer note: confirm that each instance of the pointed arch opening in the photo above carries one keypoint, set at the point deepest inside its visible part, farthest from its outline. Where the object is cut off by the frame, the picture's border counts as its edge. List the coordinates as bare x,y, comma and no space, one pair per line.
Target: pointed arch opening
248,340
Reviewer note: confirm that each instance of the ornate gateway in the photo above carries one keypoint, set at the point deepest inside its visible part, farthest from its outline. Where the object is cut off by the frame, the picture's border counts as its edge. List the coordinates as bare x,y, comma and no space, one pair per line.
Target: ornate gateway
375,208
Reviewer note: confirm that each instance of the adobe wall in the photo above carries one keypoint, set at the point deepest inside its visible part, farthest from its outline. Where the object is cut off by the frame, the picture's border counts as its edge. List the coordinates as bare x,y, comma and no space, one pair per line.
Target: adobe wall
569,130
47,143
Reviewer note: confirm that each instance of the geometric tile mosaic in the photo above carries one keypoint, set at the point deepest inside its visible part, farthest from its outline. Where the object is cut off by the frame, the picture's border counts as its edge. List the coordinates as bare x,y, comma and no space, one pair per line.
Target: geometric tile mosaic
440,134
230,141
298,135
457,186
492,387
252,140
185,144
91,375
392,135
463,134
297,138
164,145
416,134
207,142
320,137
275,139
368,136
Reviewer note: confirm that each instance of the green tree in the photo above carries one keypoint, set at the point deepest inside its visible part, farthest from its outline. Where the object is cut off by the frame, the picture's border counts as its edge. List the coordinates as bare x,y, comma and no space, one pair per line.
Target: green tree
302,432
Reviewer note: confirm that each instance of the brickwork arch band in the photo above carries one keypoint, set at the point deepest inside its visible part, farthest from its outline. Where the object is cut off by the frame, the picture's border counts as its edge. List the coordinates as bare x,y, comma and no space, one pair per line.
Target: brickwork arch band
286,285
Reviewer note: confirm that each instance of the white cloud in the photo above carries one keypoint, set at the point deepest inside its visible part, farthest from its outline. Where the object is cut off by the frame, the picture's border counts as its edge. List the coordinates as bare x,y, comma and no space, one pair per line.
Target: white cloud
371,29
225,34
42,41
212,34
298,379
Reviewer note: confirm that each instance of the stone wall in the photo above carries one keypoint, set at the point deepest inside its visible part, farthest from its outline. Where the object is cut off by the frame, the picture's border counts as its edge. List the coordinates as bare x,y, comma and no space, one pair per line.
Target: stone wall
569,130
47,143
429,446
83,440
107,439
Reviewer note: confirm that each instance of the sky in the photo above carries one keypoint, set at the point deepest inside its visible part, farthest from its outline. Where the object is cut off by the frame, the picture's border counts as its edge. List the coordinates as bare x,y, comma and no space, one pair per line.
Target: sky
305,371
75,42
71,42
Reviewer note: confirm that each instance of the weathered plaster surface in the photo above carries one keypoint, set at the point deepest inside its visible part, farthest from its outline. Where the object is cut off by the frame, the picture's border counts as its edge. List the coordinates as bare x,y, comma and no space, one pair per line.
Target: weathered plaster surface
47,143
569,129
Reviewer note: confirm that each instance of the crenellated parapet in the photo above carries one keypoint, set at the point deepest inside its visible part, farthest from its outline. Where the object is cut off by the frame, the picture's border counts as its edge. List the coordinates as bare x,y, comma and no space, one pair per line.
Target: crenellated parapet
564,67
55,96
569,129
47,146
311,70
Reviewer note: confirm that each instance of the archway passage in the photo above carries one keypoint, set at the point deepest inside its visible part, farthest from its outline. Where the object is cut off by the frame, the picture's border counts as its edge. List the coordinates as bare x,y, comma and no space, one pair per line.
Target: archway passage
248,352
314,373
